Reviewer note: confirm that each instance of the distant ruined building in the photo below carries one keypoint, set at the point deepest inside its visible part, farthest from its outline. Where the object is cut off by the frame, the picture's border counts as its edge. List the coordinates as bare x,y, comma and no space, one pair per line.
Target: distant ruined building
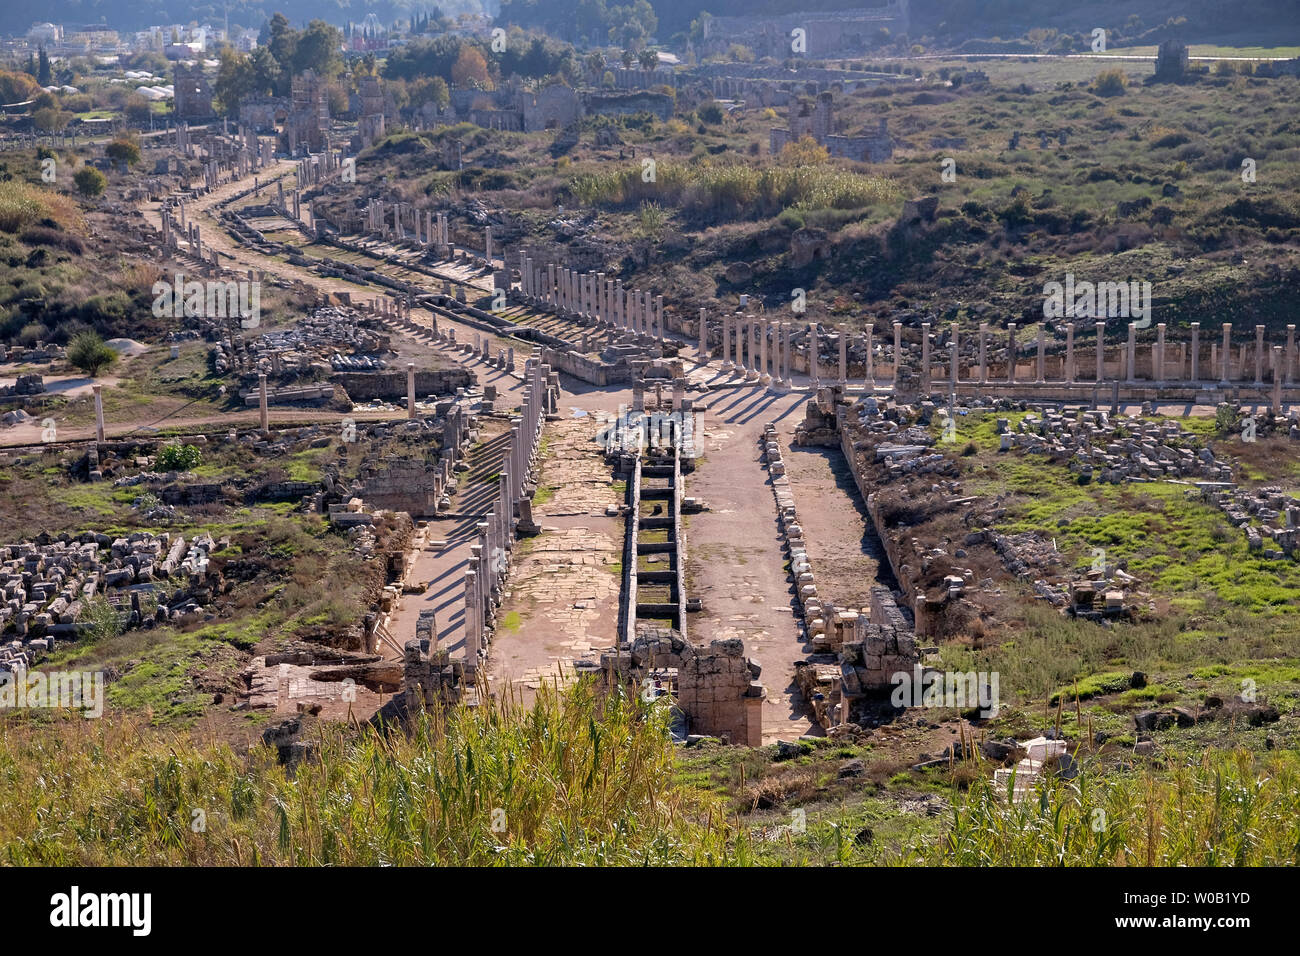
376,111
193,93
834,33
816,119
1171,61
309,114
264,114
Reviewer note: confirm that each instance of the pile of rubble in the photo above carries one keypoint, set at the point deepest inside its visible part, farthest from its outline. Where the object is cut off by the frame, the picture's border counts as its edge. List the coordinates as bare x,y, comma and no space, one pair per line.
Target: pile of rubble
45,582
28,384
1114,449
1277,514
339,335
904,449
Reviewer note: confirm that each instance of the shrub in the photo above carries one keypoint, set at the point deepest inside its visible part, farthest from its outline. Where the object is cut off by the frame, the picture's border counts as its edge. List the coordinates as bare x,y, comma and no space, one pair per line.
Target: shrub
1110,83
88,352
99,619
32,333
90,181
123,151
178,457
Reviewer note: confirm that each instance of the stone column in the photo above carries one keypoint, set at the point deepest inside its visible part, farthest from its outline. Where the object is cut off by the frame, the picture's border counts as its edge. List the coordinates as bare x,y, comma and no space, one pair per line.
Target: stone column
1290,354
814,355
1277,380
1259,355
726,342
778,362
1011,353
1042,355
755,370
1158,355
742,344
984,354
870,381
1069,354
844,354
1196,352
1132,352
1101,351
659,317
955,374
261,404
551,298
925,359
787,352
99,414
764,377
410,389
704,340
1227,352
898,349
473,612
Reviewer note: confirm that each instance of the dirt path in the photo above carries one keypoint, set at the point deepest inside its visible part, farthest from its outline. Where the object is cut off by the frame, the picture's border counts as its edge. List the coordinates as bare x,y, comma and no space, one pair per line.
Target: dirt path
563,602
236,255
734,563
845,552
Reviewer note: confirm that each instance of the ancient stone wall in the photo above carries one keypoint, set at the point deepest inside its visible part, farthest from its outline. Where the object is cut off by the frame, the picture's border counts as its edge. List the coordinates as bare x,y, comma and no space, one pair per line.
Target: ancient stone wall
391,386
402,484
585,369
620,104
717,687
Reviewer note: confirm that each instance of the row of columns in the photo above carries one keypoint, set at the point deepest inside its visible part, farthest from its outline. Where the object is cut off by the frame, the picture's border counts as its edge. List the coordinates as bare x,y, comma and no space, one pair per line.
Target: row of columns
496,532
745,343
1266,357
593,296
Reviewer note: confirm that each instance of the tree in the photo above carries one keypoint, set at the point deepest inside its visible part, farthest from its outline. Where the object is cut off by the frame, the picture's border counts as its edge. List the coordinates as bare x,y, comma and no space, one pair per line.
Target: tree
595,63
698,26
318,49
648,58
470,69
632,25
137,109
123,151
804,152
282,41
43,75
16,87
88,352
236,80
627,58
50,120
89,181
265,72
432,89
